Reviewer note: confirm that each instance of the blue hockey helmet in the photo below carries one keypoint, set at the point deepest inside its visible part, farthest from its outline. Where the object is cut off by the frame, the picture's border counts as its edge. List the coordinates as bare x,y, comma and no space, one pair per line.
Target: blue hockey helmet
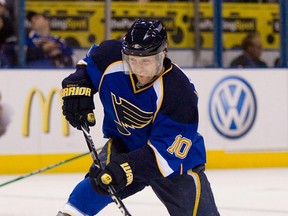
145,38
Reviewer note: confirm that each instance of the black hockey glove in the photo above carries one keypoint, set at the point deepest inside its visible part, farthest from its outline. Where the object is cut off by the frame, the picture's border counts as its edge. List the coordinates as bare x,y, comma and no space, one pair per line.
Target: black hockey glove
77,95
119,173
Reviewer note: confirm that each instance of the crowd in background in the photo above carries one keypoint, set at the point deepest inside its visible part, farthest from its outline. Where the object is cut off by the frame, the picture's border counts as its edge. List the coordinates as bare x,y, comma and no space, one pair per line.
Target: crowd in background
42,49
7,34
252,50
4,116
45,50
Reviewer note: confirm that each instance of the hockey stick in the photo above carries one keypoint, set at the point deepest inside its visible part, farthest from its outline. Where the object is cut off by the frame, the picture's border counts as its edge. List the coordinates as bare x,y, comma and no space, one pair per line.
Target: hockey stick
43,169
93,152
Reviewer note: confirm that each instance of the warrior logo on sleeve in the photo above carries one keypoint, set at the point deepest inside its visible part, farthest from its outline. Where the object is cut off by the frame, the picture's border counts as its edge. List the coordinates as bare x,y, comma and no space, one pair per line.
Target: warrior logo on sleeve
129,116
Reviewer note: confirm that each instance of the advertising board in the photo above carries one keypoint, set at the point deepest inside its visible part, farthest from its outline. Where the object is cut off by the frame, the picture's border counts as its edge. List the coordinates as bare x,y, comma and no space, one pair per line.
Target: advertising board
243,118
82,23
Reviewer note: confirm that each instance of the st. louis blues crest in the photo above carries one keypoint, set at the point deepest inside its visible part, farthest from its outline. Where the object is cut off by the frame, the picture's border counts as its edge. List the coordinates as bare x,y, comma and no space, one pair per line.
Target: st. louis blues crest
129,116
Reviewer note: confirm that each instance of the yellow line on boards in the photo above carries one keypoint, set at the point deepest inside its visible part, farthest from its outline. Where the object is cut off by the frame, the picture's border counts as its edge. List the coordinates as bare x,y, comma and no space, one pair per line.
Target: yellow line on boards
221,159
216,159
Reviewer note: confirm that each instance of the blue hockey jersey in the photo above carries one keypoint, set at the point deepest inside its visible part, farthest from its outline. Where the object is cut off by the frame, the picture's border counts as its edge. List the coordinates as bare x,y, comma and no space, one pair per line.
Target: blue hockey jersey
157,123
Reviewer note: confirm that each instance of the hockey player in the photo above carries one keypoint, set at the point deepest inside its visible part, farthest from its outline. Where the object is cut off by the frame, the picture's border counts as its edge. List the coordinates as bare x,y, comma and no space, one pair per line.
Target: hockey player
150,119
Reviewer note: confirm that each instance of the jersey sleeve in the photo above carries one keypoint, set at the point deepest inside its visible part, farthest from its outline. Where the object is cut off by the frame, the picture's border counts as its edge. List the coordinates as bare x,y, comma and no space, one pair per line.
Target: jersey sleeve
174,141
173,144
89,65
146,167
99,58
173,148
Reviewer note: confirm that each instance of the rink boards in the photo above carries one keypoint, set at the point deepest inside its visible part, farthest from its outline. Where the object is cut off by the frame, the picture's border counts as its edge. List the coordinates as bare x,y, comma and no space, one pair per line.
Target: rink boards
243,118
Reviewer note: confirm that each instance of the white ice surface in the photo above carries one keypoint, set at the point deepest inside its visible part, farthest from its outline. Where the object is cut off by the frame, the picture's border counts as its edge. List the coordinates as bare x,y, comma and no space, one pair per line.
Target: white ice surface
241,192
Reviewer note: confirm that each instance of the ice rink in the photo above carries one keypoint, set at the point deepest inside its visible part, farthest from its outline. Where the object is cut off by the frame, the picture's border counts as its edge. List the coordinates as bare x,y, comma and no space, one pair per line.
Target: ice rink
242,192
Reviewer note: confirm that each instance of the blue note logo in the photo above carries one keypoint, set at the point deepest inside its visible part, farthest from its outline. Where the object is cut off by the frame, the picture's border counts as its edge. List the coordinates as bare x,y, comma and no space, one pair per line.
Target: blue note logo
232,107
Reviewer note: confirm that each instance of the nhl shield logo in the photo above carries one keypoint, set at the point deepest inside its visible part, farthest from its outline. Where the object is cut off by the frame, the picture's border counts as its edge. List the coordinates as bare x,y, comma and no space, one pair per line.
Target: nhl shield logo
232,107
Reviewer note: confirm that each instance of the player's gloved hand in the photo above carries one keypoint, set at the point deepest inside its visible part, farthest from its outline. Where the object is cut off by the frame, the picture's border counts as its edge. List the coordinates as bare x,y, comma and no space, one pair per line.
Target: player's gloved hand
119,173
77,95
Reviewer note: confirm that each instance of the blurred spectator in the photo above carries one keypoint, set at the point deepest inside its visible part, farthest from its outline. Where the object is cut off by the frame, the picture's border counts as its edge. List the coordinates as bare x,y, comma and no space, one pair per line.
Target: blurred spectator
3,8
2,128
3,60
252,50
277,62
7,37
44,49
4,118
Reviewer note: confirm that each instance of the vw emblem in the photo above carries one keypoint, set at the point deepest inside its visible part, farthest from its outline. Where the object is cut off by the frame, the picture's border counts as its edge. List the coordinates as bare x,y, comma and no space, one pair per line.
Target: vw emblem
232,107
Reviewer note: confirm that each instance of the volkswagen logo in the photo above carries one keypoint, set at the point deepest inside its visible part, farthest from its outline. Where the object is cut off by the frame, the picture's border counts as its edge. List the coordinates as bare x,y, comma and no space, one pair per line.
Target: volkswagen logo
232,107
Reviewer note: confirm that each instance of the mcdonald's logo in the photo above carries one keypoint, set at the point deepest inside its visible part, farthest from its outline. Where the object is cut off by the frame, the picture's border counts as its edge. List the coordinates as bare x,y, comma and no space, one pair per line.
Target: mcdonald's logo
45,106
